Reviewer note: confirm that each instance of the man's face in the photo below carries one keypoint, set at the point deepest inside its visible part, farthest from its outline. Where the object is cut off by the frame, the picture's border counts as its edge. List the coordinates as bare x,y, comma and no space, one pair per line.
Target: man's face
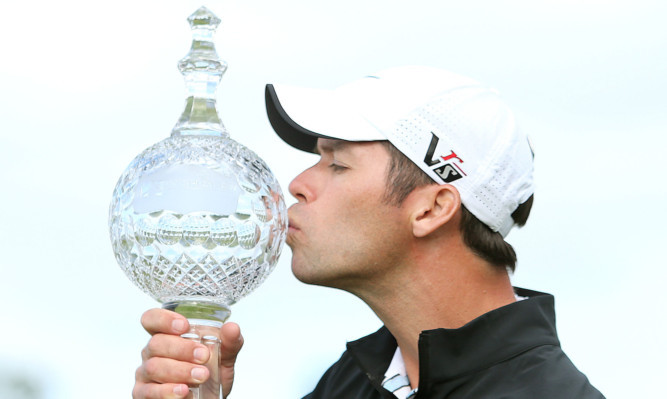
341,232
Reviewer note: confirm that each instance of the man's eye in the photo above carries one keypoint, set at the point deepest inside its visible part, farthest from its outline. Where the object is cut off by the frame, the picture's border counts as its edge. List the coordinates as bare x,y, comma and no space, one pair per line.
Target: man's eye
337,167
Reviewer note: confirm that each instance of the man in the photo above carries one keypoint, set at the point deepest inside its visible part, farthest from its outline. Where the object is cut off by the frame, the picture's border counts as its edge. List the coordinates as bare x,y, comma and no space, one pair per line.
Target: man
422,173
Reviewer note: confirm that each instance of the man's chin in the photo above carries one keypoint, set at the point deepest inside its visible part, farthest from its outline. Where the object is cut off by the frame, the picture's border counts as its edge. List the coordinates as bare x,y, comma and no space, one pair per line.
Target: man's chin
299,273
304,275
311,277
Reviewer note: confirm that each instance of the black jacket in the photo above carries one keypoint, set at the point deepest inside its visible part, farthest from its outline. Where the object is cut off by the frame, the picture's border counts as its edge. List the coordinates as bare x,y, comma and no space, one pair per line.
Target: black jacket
510,352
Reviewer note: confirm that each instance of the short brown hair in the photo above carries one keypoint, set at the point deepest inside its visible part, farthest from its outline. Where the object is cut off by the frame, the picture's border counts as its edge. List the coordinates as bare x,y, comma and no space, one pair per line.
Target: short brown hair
403,176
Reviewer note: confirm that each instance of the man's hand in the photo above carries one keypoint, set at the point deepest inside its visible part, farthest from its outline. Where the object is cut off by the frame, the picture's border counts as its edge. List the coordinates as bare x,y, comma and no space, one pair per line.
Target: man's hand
170,363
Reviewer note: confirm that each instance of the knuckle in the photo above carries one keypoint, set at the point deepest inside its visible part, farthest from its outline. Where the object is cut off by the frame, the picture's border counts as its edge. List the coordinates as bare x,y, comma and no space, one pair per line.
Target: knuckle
150,368
153,346
146,391
156,320
137,392
146,318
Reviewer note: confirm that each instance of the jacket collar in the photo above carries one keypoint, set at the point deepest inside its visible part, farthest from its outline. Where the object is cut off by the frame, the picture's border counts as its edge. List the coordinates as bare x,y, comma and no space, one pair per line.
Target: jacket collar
373,353
447,353
487,340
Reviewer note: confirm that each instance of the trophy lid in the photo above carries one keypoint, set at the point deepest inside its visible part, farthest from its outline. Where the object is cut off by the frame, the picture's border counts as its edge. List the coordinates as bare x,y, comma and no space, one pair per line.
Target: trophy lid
202,69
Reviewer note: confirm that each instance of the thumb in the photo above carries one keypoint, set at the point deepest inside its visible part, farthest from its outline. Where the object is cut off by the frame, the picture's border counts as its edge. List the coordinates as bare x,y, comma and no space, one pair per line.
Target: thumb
231,342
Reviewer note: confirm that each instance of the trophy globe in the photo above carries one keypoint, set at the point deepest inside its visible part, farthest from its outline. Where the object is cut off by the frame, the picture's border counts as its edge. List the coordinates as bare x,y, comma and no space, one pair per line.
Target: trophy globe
198,221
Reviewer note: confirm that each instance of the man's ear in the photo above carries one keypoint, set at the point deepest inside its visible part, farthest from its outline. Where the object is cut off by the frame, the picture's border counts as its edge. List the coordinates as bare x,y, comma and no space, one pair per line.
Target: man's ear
435,206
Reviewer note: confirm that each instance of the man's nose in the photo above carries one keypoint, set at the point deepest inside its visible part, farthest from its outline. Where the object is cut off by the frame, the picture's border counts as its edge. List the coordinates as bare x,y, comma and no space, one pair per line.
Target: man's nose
300,188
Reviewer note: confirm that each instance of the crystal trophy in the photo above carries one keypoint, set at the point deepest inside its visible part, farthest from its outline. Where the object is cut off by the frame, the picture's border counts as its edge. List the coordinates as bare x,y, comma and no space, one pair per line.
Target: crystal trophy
197,220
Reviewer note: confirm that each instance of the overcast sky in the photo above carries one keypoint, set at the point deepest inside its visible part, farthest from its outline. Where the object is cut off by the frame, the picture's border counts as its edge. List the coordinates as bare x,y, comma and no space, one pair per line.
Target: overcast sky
85,86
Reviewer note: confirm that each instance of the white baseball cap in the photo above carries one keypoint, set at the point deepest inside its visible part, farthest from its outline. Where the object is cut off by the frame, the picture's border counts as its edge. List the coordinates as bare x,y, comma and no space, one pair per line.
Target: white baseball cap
455,129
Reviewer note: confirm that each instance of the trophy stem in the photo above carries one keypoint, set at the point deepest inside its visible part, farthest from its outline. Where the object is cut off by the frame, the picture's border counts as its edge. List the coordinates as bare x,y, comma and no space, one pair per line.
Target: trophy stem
205,320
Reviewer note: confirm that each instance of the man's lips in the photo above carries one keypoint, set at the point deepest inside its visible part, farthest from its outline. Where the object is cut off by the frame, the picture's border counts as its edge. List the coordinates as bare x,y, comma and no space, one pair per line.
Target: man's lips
292,232
292,226
291,222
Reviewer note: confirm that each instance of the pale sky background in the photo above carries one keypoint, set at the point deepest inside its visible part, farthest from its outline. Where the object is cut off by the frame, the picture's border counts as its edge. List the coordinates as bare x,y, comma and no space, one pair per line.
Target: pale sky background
85,86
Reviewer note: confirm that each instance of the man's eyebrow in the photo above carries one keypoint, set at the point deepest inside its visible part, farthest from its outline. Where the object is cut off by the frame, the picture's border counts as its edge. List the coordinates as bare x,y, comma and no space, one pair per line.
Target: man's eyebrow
329,146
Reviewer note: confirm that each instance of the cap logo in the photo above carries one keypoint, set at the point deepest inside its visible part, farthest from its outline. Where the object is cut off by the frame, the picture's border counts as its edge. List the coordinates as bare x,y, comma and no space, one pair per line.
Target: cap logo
446,167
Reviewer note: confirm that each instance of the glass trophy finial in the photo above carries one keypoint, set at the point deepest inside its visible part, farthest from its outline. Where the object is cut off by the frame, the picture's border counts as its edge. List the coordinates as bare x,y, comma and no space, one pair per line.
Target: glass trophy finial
197,220
202,70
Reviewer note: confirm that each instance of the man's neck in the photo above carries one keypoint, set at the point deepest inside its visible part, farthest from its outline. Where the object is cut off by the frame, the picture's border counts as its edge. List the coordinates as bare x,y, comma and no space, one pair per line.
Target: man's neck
432,295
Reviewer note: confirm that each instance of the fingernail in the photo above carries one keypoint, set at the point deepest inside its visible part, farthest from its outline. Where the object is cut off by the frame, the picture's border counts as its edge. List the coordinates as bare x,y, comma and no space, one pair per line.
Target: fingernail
178,325
201,354
180,390
198,374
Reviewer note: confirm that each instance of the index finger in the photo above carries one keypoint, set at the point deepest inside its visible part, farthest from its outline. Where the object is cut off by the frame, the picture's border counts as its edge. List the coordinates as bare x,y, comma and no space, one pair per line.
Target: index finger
156,321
